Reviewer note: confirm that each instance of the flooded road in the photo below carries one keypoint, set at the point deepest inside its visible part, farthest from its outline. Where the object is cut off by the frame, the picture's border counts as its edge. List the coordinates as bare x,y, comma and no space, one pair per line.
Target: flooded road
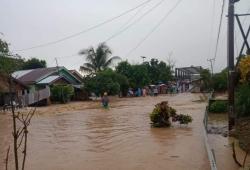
120,138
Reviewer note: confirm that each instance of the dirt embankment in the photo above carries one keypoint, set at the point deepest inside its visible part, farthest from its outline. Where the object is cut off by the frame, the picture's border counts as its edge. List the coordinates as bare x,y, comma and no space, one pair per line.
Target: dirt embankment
243,132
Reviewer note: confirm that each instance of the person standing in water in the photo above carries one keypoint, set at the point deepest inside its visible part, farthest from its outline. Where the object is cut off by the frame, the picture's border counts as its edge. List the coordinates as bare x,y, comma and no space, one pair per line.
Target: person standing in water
105,100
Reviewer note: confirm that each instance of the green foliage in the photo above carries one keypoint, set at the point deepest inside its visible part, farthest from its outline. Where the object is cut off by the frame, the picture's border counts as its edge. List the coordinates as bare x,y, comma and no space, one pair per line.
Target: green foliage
218,107
162,112
220,81
4,47
97,59
206,78
140,75
107,81
183,119
242,102
34,63
10,64
158,71
61,93
124,68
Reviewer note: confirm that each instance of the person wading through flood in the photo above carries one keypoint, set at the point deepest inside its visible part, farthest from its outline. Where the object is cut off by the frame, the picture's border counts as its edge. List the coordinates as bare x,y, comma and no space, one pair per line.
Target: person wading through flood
105,100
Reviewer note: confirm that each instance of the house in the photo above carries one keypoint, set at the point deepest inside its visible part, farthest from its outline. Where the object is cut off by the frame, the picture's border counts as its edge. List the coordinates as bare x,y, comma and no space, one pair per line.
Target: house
77,75
40,80
190,76
17,91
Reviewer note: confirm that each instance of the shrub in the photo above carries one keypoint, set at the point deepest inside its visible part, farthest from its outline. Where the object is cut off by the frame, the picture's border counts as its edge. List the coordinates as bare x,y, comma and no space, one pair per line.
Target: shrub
242,101
61,93
162,112
218,107
107,81
220,81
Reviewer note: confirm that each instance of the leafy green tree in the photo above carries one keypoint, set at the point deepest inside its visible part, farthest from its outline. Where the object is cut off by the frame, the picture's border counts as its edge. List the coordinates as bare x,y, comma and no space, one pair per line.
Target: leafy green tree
242,101
107,81
139,76
158,71
206,79
97,59
143,74
219,81
124,68
34,63
8,63
4,47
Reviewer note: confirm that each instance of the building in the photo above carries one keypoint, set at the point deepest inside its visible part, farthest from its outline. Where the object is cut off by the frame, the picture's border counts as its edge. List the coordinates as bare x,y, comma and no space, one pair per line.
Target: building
17,90
190,77
38,82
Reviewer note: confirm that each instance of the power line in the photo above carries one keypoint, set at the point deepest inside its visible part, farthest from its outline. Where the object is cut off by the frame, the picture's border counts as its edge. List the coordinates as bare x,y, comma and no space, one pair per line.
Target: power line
154,28
127,27
86,30
211,29
137,20
219,30
132,17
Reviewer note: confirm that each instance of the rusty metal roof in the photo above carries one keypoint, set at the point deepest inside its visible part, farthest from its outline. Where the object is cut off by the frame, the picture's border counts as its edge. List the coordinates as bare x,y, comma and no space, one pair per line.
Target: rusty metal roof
35,75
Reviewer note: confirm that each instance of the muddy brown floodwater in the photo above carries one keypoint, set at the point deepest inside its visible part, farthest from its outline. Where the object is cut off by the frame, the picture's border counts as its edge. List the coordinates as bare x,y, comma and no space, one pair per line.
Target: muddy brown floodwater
116,139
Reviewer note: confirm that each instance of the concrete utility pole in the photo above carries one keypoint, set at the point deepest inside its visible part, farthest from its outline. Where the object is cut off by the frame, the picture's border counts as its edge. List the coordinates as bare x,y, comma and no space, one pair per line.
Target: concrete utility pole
211,64
143,58
230,64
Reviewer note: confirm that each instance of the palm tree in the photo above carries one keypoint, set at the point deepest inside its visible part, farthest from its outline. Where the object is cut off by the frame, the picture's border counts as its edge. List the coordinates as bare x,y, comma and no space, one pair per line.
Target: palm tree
97,60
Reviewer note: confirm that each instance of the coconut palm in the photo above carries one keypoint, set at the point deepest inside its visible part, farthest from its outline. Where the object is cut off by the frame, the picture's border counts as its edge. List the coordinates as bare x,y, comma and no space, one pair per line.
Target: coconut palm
97,59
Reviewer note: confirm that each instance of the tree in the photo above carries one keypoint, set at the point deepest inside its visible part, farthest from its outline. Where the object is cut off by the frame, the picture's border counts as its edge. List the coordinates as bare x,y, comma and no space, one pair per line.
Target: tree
206,78
8,63
143,74
139,76
124,68
97,59
4,47
107,81
219,81
34,63
158,71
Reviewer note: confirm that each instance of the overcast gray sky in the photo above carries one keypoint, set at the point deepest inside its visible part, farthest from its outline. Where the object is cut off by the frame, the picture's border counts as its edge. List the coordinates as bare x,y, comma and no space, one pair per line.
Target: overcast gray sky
189,32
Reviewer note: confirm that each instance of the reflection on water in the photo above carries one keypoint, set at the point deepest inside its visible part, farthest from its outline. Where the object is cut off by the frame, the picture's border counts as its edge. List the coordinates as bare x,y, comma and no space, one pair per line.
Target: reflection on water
119,138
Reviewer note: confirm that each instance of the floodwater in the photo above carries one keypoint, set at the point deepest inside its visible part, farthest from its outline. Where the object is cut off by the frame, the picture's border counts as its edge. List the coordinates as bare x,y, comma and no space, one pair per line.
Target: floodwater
120,138
222,146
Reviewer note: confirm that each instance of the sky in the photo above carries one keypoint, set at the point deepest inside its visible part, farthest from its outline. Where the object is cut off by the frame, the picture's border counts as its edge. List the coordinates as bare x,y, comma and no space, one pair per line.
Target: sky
187,35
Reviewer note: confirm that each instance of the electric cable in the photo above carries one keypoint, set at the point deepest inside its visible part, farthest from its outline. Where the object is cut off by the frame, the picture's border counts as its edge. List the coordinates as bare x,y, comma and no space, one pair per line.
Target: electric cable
136,21
154,28
85,30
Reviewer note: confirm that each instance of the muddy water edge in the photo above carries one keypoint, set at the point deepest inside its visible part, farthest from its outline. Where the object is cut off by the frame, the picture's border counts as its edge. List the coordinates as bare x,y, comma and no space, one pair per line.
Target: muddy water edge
118,138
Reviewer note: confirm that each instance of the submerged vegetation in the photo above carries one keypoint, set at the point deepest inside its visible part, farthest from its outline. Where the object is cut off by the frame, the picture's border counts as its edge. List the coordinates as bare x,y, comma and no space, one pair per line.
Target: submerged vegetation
160,116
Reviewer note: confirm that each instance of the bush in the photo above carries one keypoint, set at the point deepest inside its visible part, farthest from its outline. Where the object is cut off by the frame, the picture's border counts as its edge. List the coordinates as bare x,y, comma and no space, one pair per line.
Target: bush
242,101
218,107
107,81
220,81
162,112
61,93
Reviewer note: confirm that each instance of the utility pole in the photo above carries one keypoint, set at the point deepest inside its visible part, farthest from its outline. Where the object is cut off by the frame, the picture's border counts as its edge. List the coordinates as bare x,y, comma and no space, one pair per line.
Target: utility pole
57,66
143,58
211,64
230,64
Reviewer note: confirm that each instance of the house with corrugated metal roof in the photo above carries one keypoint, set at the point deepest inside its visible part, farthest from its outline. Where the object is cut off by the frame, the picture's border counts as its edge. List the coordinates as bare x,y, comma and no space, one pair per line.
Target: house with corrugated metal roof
5,94
40,80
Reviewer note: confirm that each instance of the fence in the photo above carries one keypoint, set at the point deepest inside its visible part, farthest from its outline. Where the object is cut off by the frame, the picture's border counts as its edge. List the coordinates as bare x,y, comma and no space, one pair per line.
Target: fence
210,152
